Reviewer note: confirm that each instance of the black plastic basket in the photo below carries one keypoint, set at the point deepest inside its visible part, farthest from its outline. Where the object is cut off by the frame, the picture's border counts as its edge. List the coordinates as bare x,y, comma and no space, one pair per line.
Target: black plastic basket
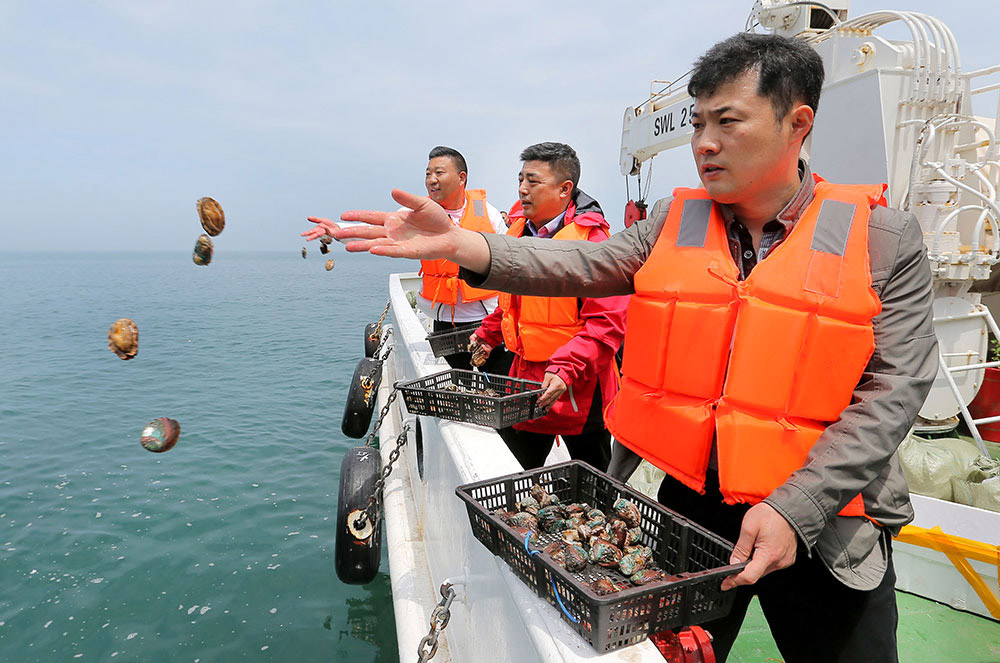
445,395
696,559
451,341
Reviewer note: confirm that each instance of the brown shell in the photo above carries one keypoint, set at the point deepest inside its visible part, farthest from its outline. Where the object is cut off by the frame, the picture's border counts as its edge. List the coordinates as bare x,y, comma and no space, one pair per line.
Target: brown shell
202,250
628,511
123,338
324,249
303,252
646,576
160,435
326,239
603,586
631,564
543,496
329,264
523,519
576,557
606,555
213,219
529,505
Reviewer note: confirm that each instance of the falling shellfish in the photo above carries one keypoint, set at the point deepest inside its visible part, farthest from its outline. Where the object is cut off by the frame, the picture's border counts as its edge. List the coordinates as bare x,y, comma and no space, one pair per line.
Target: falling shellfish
202,250
329,264
160,435
123,338
213,219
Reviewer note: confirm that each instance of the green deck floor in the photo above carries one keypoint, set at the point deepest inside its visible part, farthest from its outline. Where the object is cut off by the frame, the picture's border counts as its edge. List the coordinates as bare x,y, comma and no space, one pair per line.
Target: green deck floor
929,632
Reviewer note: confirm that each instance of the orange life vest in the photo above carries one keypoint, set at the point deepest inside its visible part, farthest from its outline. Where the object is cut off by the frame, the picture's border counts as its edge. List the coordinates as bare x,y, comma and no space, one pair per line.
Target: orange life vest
441,282
535,327
763,365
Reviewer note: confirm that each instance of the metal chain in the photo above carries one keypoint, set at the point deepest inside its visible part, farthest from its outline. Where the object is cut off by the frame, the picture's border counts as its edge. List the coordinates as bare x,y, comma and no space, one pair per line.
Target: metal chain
370,512
439,620
368,381
378,329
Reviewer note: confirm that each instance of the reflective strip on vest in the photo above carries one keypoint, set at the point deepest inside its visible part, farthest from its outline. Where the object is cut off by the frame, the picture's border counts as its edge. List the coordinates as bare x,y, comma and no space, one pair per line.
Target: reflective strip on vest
694,223
761,366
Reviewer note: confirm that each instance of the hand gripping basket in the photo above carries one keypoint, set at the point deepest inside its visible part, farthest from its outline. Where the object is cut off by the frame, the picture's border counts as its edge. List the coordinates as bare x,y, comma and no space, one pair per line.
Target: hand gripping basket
696,559
459,395
451,341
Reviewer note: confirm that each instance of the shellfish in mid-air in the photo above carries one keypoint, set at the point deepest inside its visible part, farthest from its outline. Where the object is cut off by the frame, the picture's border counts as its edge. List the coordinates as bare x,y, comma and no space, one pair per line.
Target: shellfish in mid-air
213,219
329,264
303,252
123,338
160,435
202,250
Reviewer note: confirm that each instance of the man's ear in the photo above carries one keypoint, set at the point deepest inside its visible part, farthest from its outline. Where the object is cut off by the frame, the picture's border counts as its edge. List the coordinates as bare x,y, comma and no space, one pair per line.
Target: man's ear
463,178
566,189
801,119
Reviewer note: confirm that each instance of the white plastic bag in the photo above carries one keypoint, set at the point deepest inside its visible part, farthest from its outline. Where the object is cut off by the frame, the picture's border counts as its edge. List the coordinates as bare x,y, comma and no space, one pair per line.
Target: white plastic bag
930,465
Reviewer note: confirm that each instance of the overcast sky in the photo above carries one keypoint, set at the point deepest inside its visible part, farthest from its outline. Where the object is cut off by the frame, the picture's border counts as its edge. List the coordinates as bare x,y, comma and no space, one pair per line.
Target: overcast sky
118,116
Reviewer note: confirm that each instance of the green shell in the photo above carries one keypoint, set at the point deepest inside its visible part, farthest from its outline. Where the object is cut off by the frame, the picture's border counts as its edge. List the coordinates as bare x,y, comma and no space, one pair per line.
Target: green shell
203,250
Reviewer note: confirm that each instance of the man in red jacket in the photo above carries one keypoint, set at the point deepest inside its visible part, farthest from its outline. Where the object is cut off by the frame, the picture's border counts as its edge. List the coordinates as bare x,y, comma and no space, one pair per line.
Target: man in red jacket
566,343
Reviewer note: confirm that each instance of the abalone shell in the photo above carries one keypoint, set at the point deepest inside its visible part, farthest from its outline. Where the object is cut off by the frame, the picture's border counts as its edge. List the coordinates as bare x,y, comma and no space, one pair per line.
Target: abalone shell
213,219
123,338
203,250
324,249
160,435
329,264
303,252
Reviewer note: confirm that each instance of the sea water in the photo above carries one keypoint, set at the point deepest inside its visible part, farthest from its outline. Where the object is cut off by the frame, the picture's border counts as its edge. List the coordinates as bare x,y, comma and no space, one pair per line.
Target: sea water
222,548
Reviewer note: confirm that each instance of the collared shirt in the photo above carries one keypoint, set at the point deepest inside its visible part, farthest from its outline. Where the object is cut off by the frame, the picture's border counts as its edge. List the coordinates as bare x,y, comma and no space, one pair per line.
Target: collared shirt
548,230
774,231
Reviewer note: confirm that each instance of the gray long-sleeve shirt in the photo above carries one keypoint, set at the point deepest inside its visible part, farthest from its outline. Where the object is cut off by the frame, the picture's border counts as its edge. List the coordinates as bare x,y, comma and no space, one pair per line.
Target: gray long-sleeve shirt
856,453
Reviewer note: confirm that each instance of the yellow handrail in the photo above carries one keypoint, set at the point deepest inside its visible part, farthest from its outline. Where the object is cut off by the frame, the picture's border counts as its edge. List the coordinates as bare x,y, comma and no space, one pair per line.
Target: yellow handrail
959,551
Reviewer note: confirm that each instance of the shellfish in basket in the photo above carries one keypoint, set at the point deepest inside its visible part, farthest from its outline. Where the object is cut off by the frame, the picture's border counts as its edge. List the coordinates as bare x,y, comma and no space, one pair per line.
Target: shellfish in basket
203,250
213,219
123,338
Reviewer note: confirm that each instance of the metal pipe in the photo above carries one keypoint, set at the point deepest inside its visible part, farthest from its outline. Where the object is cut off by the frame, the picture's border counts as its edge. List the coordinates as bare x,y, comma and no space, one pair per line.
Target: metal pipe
961,405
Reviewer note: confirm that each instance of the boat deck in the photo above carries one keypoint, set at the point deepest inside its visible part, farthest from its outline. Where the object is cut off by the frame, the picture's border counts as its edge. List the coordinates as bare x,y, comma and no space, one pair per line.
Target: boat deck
496,618
928,632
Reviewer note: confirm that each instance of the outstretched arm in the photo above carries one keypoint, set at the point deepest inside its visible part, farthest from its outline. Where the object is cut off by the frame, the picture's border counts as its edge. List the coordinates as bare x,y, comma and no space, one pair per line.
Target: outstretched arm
423,232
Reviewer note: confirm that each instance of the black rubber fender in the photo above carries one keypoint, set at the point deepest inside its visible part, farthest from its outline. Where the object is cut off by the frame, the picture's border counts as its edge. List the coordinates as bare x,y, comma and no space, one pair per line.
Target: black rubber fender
357,560
371,344
357,410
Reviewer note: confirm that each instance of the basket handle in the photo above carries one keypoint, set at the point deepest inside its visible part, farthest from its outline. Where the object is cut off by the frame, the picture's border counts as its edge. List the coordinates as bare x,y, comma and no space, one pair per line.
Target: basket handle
555,591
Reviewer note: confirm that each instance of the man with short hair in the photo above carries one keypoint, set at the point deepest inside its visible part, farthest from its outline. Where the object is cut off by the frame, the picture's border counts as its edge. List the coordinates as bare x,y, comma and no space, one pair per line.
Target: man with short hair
447,300
779,346
566,343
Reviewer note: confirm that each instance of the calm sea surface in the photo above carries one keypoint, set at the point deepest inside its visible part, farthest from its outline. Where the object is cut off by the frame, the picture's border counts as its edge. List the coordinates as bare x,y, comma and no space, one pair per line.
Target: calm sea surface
222,548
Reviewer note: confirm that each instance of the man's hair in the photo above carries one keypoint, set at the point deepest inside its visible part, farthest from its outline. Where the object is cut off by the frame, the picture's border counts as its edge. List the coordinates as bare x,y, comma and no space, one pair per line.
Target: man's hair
561,158
450,152
789,70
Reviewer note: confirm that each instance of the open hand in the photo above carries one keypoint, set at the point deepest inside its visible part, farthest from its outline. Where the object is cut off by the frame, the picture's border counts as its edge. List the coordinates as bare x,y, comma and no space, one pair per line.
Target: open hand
423,231
767,540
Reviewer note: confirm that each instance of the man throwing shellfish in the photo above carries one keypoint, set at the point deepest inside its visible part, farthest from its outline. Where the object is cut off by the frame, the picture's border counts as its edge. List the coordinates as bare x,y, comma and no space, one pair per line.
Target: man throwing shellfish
779,344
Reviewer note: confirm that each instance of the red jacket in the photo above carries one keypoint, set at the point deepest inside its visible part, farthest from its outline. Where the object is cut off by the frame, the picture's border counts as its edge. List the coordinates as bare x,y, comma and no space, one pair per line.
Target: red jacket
588,358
